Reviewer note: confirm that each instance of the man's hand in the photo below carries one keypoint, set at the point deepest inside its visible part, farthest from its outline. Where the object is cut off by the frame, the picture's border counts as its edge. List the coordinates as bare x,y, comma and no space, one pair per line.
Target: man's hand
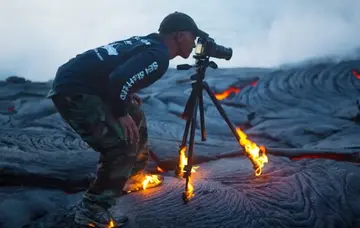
130,128
136,98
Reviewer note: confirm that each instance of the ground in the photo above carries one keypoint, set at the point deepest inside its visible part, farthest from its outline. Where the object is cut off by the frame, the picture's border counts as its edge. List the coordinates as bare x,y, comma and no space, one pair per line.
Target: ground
305,110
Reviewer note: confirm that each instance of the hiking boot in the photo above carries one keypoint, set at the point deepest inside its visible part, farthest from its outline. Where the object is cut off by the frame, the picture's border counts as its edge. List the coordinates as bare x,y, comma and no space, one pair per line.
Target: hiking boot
143,180
98,217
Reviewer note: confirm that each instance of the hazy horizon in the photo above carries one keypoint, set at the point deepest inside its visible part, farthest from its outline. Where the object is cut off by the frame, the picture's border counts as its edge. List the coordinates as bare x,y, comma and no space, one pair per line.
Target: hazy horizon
39,36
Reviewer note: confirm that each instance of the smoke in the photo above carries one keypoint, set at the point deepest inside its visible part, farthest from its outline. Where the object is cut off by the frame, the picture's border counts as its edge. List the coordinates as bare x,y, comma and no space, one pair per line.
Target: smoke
38,35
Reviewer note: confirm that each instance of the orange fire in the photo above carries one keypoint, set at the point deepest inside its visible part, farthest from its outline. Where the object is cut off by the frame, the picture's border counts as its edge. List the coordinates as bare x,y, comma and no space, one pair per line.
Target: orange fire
145,181
356,74
183,161
255,153
150,179
159,169
111,224
189,193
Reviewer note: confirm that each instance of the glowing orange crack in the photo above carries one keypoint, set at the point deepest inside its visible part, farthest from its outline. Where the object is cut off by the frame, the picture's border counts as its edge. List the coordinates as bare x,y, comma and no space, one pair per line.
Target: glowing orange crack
227,92
356,74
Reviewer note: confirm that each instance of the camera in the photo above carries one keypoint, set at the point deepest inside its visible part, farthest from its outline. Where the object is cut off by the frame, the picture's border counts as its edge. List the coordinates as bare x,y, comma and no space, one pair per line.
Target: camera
206,46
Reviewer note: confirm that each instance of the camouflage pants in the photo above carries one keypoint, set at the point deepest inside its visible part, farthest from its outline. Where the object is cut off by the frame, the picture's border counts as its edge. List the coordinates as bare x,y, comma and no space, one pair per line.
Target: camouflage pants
93,121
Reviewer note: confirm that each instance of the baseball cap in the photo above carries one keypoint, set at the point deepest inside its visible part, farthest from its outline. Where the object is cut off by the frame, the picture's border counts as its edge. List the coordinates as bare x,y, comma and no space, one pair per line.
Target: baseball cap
178,21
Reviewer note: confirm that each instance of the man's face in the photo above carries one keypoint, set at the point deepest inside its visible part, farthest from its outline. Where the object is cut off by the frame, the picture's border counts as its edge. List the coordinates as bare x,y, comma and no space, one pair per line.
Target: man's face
186,43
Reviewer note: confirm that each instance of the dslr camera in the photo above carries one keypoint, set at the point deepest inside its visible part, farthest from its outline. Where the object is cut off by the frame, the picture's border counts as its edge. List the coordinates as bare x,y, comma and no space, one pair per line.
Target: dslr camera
206,46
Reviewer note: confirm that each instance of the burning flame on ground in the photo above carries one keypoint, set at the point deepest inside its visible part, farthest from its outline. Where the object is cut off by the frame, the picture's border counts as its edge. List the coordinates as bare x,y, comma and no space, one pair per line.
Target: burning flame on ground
153,179
159,169
111,224
254,152
356,74
183,161
145,181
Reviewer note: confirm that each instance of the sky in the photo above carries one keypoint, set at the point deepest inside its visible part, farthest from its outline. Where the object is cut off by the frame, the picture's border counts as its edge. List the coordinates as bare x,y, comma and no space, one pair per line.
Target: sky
37,36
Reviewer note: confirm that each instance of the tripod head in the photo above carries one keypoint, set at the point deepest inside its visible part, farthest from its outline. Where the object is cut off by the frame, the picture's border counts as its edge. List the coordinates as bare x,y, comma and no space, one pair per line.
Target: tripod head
206,48
200,65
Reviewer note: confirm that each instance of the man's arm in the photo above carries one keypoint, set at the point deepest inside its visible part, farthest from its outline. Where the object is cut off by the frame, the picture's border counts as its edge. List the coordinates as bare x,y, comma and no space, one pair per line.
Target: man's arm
137,73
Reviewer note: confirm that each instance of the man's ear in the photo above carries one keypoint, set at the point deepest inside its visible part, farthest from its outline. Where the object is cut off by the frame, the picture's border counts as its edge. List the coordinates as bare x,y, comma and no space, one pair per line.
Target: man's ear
179,36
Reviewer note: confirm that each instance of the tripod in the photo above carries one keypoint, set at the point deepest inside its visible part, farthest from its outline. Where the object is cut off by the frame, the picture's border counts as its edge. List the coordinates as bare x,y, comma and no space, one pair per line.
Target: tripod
195,102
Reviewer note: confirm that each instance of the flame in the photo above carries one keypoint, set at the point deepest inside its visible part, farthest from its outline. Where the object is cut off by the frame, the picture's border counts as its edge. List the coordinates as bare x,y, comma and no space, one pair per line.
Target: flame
253,152
150,179
111,224
183,161
144,181
159,169
356,74
189,193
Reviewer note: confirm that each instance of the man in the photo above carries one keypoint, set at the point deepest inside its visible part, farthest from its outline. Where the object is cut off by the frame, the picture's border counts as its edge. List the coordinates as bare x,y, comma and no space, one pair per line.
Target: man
94,94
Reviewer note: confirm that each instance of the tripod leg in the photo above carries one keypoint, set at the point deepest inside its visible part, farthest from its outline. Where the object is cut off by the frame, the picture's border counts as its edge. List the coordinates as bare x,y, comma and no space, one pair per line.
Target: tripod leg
190,103
202,116
220,109
256,160
188,112
188,168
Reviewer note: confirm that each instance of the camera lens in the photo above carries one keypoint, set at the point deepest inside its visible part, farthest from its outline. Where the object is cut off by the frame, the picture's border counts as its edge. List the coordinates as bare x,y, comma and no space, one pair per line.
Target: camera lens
223,52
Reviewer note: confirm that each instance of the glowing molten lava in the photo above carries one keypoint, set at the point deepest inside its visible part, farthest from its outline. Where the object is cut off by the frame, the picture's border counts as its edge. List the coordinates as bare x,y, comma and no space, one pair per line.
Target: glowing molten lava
226,93
255,153
356,74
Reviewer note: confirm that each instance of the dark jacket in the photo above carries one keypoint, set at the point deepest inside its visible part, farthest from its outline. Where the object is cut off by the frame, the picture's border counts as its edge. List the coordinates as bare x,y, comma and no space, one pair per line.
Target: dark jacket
114,71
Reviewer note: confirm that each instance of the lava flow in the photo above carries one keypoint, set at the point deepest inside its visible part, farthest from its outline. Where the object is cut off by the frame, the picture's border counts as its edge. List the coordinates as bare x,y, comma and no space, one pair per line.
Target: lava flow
227,92
356,74
254,152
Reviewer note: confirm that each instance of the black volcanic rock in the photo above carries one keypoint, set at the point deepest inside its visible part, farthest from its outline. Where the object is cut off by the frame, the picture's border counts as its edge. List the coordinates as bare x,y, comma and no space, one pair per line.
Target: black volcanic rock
304,116
16,80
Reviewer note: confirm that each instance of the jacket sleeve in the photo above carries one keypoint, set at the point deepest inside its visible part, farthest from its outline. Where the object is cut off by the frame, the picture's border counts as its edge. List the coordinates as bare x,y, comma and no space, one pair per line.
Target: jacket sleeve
136,73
